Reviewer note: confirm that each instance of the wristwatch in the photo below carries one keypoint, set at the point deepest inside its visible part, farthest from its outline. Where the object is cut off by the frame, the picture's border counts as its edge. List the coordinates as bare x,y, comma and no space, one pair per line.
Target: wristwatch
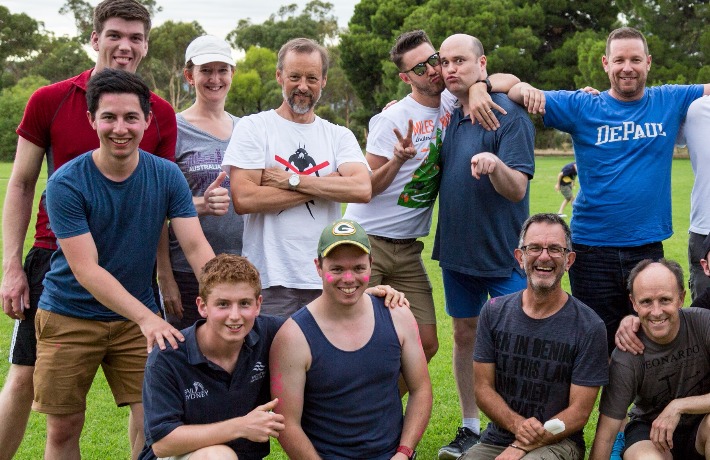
489,87
293,181
408,451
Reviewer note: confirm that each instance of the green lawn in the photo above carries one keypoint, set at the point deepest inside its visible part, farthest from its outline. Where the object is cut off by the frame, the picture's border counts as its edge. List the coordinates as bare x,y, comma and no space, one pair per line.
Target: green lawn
105,430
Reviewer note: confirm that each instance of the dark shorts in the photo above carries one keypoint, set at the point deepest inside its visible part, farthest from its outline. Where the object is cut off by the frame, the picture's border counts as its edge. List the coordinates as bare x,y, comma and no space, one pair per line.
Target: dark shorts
683,439
23,349
598,278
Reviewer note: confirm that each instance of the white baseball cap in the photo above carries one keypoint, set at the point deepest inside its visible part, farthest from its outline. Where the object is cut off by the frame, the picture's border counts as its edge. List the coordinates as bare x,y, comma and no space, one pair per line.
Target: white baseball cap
209,48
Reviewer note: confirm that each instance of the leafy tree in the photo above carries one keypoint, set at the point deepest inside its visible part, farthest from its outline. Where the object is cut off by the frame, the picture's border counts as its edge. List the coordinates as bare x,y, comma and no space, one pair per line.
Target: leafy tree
19,37
677,34
315,21
58,59
254,87
163,66
365,50
12,106
83,14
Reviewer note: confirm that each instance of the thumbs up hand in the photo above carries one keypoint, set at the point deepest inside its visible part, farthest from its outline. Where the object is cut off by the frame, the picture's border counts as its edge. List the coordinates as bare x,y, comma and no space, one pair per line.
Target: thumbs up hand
216,198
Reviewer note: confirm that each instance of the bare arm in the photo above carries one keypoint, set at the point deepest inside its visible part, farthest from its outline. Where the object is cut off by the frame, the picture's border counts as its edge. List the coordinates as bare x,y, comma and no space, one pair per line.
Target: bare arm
82,257
169,290
192,241
289,361
250,196
256,426
350,185
510,183
607,428
557,182
16,216
529,97
416,376
383,170
626,337
530,433
481,105
664,426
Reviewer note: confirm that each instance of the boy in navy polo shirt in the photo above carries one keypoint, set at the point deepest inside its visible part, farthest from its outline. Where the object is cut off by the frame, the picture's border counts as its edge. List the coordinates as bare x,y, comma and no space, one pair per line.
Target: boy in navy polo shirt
210,397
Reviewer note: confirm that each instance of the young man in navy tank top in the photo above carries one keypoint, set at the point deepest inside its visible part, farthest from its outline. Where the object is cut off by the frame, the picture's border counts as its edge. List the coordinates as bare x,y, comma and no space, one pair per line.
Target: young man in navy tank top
335,364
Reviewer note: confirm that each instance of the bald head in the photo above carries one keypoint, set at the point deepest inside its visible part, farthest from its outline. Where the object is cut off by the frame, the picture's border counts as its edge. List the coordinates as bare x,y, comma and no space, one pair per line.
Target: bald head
463,41
462,65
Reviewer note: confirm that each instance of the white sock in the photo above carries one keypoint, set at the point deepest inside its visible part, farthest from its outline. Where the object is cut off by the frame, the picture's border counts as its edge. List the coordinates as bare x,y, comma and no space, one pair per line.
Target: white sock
473,424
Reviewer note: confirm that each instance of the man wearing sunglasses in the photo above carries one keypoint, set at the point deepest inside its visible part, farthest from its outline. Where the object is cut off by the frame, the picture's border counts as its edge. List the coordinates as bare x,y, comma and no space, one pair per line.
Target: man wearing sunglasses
406,175
540,355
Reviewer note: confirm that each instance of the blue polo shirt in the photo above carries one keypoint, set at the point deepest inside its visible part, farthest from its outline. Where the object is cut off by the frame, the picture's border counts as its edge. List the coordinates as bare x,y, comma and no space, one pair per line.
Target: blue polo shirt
182,387
478,228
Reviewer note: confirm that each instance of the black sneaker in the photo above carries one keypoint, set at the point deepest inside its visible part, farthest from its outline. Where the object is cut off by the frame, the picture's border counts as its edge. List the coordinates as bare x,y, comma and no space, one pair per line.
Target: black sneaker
464,440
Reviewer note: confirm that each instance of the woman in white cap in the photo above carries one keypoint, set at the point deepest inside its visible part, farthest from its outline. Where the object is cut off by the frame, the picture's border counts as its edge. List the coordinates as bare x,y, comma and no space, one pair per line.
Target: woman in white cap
204,130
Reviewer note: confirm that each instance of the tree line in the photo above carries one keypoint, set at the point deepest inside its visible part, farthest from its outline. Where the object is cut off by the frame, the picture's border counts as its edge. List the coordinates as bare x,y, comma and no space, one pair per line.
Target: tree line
550,43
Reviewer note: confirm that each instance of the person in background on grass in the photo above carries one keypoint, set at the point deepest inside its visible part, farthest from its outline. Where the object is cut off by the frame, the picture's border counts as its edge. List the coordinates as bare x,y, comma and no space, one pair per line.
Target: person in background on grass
483,202
108,208
336,362
204,130
209,399
55,125
669,383
565,185
540,355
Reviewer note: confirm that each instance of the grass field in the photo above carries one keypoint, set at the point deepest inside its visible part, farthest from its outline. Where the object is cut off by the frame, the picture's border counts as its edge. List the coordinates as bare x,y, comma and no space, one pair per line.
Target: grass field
105,436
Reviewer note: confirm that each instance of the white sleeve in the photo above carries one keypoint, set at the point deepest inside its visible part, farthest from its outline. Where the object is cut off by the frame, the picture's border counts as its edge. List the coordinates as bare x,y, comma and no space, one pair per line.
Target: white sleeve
247,147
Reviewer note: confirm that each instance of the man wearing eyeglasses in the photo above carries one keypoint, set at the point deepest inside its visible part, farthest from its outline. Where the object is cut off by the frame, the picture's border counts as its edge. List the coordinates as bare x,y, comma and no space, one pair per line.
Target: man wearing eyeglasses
483,202
406,176
540,355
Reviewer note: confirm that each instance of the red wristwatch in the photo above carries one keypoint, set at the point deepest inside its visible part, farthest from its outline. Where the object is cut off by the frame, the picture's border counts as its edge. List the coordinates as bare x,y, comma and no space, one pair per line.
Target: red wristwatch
408,451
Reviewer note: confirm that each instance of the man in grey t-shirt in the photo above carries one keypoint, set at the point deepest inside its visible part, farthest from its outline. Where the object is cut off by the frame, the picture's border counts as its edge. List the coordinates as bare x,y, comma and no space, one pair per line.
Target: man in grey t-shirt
669,383
540,356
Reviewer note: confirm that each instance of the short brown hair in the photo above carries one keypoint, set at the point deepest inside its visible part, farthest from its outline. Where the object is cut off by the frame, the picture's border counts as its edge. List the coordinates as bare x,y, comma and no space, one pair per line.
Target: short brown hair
405,43
230,269
128,10
305,46
624,33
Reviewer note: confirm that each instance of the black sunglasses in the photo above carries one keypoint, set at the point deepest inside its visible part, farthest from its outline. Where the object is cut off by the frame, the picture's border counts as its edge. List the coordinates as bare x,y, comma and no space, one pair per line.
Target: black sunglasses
420,69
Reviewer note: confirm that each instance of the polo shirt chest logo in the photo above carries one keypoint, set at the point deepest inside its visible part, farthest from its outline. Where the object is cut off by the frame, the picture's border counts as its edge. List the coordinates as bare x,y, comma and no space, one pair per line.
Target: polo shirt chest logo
197,391
259,371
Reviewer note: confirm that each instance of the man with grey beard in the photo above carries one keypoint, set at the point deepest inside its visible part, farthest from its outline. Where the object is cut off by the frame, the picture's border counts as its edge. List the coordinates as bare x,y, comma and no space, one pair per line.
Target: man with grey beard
290,171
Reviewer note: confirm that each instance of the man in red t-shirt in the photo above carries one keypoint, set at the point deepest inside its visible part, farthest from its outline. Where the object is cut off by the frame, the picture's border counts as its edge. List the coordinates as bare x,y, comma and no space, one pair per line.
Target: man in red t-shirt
55,125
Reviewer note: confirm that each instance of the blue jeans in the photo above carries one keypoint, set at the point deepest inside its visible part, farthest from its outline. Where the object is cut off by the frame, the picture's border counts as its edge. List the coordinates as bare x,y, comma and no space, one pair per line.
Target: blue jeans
599,276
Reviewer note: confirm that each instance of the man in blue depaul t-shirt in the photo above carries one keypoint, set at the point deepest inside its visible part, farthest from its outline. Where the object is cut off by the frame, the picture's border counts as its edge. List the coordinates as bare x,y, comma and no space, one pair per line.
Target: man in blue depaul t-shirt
623,141
107,208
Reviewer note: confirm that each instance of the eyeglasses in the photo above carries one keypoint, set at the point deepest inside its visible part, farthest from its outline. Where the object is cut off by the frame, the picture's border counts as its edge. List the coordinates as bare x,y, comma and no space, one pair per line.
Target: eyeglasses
536,250
420,69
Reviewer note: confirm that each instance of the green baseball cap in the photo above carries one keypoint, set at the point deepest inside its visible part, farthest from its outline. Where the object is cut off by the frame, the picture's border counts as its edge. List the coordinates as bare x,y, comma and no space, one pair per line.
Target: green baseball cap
343,231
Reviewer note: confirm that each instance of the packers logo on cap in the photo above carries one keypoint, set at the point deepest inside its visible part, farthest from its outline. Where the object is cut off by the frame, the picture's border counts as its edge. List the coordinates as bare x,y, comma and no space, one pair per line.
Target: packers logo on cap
343,229
343,232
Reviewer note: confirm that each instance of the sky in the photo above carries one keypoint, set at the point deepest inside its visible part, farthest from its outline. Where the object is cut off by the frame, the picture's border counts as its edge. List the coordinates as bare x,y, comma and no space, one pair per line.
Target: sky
217,17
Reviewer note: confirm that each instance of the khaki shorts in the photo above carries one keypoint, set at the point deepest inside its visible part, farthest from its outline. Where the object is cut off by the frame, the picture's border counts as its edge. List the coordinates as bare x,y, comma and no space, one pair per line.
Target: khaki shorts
401,266
70,351
565,449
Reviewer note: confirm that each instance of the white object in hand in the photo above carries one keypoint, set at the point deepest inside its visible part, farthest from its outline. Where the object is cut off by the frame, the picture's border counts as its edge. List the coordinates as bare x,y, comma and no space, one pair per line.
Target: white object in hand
554,426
